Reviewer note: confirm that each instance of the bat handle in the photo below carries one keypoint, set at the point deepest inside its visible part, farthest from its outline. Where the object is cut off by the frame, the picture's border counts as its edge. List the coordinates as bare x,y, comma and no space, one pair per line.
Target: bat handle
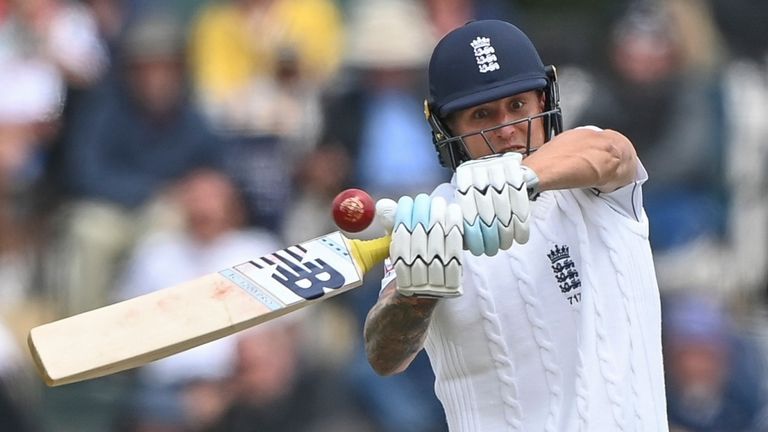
368,253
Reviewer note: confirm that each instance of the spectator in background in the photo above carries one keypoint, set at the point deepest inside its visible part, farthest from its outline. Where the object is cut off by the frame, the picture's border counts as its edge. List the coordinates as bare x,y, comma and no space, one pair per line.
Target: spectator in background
135,136
257,67
374,111
283,104
32,92
234,42
669,107
745,266
214,236
698,123
714,375
62,32
274,128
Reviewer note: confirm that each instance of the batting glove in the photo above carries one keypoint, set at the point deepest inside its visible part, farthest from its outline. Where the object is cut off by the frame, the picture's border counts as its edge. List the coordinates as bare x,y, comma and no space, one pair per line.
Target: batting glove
426,245
494,201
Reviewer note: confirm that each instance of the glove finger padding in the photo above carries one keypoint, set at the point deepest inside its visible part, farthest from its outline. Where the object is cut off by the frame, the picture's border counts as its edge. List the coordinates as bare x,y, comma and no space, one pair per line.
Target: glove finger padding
420,224
494,202
426,247
400,248
436,242
519,200
454,239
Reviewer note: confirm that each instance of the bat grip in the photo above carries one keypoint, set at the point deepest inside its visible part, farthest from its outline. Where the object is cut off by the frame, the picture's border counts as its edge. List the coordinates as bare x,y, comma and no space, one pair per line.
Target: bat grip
368,253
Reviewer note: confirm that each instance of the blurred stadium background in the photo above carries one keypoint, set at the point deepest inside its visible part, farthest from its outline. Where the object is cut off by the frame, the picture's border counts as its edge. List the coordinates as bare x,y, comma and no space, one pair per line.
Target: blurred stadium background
143,143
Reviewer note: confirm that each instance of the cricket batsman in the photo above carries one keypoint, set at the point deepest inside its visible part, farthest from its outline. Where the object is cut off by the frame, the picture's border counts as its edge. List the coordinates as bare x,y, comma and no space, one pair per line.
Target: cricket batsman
528,279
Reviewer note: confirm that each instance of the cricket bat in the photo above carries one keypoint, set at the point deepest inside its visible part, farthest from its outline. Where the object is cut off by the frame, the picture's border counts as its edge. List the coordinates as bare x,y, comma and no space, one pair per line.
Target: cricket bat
137,331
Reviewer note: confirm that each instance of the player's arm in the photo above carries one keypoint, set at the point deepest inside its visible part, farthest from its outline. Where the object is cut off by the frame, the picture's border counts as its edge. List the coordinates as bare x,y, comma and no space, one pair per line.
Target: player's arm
395,329
584,158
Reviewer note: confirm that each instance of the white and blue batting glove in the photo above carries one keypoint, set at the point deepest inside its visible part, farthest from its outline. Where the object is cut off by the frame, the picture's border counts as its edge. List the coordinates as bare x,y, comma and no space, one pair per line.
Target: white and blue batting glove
426,245
494,201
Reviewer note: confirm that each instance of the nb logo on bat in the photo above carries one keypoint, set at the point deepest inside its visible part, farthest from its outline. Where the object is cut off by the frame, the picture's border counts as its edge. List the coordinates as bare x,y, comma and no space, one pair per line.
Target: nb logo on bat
307,279
310,279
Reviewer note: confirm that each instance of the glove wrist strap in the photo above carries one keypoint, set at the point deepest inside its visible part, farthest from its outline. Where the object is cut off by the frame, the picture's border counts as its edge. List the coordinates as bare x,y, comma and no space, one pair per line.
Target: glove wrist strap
531,180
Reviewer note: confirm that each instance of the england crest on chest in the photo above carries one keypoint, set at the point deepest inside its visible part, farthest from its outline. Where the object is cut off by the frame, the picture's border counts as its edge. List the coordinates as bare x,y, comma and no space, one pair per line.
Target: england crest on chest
565,273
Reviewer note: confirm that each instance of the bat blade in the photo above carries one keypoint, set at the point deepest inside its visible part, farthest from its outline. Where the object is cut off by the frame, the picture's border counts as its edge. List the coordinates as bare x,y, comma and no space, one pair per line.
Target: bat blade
137,331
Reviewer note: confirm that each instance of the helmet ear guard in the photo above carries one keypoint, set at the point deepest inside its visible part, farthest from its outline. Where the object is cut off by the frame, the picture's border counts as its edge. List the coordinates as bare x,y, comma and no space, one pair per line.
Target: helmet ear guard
450,152
553,123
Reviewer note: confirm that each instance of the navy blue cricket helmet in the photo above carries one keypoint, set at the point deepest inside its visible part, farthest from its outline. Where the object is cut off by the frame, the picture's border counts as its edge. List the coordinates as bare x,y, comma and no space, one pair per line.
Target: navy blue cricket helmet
477,63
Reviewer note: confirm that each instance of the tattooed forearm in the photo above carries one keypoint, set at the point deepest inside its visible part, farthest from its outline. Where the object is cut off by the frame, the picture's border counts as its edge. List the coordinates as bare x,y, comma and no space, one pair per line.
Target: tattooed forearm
395,330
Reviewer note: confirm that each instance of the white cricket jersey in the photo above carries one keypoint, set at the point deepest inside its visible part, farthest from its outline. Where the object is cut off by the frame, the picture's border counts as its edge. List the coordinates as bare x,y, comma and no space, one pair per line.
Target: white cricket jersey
562,333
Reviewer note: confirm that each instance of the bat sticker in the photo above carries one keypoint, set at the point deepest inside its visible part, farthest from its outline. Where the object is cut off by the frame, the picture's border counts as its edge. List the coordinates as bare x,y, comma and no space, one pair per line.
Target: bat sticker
245,283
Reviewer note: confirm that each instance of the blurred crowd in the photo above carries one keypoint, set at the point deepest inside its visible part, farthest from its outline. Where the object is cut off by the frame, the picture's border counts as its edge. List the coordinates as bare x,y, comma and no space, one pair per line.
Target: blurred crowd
144,143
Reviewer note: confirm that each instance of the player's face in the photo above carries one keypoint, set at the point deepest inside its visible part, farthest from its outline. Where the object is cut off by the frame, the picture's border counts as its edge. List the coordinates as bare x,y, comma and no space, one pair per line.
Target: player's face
502,125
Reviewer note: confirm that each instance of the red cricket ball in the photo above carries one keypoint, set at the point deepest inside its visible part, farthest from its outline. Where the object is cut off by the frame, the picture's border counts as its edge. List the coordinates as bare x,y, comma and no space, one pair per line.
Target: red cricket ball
353,210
